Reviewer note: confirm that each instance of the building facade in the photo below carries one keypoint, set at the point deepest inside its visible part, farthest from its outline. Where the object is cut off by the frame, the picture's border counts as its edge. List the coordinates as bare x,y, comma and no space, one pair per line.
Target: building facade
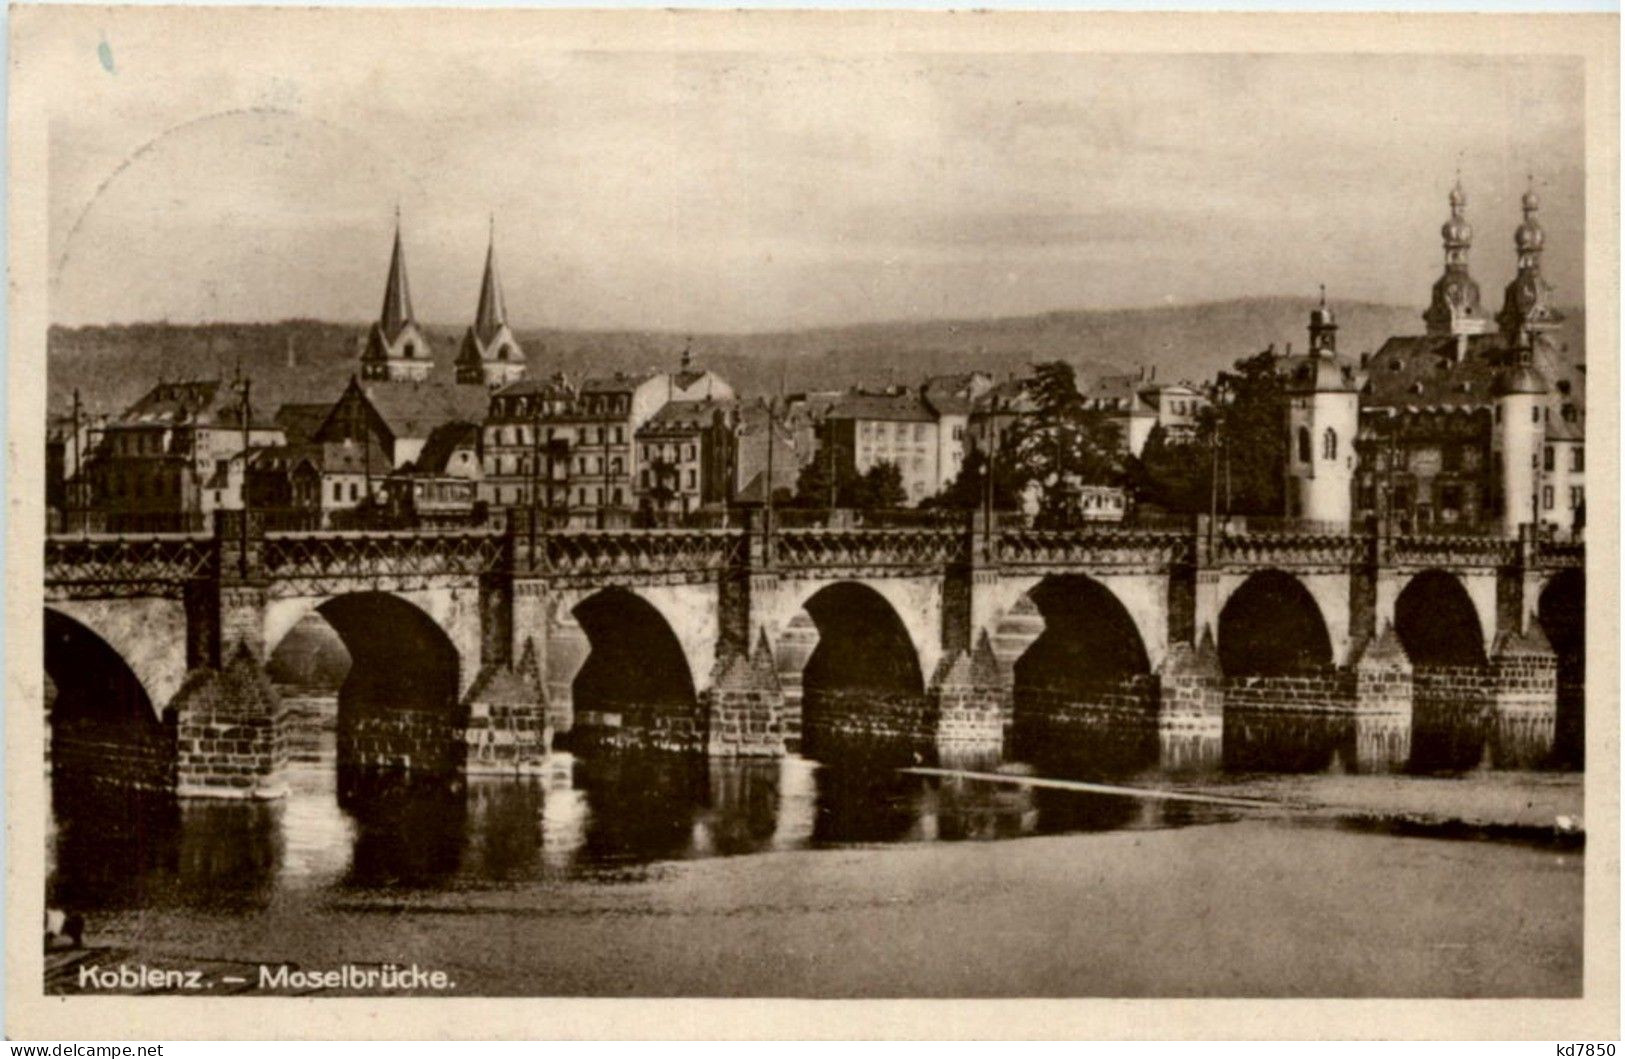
687,456
1476,422
164,463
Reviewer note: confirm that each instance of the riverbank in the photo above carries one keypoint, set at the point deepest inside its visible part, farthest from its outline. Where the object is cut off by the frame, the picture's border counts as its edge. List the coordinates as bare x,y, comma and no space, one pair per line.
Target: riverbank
1257,907
1530,805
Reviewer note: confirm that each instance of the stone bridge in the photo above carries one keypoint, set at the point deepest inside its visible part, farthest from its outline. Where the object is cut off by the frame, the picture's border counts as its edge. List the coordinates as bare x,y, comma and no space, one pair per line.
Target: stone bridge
473,649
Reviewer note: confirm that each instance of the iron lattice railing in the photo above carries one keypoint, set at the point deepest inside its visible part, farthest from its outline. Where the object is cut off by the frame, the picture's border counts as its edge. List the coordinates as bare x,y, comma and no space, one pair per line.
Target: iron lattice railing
91,566
1094,545
302,563
613,556
860,550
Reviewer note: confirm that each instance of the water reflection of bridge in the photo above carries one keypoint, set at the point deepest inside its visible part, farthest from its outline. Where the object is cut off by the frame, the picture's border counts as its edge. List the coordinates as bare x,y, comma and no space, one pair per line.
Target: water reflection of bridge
473,650
582,819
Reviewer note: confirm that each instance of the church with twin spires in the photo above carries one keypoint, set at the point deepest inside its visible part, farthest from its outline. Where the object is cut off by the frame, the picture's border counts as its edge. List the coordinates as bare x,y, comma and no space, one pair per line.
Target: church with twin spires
397,350
1478,421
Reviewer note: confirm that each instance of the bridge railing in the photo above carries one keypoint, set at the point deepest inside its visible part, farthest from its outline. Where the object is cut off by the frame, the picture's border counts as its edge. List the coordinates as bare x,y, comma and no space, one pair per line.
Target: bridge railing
590,554
155,563
867,548
343,557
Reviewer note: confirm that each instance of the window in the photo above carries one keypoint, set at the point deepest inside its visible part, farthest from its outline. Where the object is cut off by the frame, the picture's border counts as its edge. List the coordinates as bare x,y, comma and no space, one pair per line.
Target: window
1577,497
689,478
1534,416
354,492
1551,458
1450,498
1304,453
1328,444
1546,497
338,492
411,350
1577,459
959,433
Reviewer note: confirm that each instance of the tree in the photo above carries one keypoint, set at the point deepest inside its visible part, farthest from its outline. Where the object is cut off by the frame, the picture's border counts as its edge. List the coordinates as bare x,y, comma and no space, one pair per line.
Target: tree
1172,475
1251,409
814,487
967,492
1242,436
880,487
1062,445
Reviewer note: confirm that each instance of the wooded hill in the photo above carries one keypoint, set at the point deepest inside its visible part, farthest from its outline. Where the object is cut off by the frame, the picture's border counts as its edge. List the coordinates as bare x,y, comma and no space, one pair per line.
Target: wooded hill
310,360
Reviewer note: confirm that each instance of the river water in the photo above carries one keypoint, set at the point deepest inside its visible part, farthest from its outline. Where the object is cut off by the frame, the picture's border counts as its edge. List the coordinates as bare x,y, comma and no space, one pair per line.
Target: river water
656,875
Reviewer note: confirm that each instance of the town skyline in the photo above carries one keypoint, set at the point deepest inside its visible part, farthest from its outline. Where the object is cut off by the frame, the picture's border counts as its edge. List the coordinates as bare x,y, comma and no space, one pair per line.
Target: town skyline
734,192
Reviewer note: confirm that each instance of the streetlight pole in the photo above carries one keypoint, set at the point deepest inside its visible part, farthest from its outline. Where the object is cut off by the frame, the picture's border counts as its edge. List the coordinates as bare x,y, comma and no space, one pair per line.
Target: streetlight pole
767,484
535,466
990,469
242,526
74,480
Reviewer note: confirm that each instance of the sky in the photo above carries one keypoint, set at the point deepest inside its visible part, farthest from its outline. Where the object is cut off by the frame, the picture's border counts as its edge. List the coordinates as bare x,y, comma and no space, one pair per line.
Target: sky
203,175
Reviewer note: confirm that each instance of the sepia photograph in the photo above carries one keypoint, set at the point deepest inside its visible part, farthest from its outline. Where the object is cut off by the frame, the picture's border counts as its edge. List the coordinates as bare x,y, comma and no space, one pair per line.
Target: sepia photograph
844,506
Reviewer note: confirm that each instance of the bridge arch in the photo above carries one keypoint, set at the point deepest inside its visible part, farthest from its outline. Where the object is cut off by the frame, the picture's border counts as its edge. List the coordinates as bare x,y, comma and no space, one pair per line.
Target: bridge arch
635,675
148,633
1083,689
103,724
1440,629
1561,611
1437,621
1272,626
862,680
399,703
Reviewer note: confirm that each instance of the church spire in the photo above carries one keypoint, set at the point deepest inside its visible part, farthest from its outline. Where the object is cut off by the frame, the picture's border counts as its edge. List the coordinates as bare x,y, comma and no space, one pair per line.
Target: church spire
1455,308
490,354
492,314
396,349
397,311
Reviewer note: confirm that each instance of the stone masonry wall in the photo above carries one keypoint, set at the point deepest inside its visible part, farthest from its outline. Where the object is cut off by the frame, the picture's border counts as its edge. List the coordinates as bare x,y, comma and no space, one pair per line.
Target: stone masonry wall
110,754
1450,715
229,732
1326,690
1523,709
419,740
833,717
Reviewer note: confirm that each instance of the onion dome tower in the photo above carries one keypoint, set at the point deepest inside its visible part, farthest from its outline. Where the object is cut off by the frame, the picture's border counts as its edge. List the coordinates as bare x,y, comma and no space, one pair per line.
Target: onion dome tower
490,354
1527,311
1455,308
396,348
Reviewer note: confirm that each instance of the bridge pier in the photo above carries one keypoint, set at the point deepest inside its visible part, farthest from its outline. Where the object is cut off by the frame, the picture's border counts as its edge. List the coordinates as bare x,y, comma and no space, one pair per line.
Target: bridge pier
1522,706
1356,716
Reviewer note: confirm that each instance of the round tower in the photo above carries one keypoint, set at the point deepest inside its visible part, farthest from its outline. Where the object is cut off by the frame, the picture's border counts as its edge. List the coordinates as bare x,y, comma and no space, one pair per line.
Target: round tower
1323,416
1518,439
